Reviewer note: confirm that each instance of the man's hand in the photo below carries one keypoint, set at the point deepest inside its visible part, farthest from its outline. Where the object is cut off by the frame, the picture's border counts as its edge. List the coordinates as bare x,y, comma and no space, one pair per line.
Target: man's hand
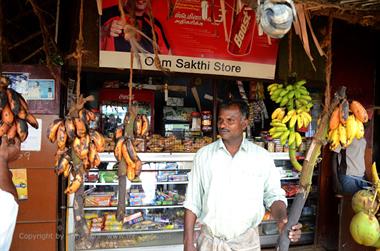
189,247
116,28
295,231
9,152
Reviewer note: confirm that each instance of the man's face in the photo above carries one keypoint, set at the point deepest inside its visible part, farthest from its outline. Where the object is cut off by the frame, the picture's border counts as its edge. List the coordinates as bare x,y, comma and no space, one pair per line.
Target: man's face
141,4
231,123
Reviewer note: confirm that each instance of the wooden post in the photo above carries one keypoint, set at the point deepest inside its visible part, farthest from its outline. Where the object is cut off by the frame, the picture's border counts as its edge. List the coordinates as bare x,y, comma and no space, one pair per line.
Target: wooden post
307,171
214,109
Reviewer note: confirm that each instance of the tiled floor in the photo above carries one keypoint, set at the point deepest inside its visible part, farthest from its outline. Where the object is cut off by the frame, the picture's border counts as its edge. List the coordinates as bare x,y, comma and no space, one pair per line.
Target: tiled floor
300,248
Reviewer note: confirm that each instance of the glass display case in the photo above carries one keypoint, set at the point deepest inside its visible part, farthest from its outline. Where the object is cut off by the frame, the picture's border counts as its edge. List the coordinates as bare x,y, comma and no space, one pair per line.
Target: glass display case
154,205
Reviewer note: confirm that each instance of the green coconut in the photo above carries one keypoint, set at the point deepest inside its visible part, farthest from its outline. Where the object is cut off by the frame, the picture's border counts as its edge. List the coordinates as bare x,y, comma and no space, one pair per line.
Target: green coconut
362,201
377,244
365,229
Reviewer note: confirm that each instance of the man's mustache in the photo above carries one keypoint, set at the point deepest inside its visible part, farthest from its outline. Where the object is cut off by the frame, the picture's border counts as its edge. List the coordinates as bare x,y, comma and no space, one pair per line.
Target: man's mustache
223,130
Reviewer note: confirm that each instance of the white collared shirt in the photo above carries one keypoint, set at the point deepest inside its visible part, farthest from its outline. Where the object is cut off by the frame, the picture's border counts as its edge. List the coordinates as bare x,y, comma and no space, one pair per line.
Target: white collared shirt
228,193
8,215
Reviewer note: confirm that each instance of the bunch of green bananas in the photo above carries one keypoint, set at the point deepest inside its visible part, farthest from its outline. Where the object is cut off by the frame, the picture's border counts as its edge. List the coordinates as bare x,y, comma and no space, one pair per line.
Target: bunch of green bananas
295,103
297,100
291,96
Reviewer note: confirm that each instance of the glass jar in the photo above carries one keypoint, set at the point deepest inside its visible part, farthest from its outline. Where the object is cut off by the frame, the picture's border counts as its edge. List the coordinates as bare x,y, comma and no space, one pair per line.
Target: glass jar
195,121
206,121
270,146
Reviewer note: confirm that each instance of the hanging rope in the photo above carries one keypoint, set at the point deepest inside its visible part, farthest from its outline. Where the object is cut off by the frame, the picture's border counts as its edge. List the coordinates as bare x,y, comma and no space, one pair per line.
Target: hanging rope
1,35
328,64
121,9
130,84
290,52
47,40
157,61
79,50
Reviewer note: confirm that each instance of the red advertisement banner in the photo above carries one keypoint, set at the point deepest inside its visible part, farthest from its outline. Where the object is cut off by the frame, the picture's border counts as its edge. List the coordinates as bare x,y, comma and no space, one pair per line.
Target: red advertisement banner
191,37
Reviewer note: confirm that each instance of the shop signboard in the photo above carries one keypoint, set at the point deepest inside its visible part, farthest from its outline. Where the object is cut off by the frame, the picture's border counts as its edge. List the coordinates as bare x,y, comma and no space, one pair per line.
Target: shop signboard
191,38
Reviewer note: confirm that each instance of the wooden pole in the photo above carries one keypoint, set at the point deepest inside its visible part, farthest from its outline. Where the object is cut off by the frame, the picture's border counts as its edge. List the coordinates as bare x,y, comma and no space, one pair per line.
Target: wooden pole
314,151
214,109
1,35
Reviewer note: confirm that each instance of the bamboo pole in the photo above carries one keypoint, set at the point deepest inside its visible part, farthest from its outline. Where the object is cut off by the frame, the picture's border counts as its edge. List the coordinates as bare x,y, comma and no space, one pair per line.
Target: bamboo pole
314,151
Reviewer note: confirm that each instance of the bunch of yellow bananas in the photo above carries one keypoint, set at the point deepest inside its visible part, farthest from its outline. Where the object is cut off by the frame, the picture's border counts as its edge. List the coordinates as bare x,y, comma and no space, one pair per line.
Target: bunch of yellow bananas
280,131
344,127
282,125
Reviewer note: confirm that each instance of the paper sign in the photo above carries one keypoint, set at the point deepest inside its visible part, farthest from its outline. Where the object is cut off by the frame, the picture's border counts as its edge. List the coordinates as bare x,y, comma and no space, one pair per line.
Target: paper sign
20,181
33,141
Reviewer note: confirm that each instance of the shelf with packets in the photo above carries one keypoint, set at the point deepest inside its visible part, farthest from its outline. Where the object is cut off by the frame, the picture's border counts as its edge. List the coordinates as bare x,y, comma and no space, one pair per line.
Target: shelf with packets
154,204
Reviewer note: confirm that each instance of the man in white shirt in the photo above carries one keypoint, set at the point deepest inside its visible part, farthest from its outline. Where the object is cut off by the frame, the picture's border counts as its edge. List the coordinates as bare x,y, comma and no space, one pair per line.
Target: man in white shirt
231,181
8,194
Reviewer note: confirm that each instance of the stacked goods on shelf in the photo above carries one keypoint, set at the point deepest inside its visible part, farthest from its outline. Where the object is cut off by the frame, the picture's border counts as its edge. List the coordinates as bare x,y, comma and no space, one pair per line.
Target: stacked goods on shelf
157,143
365,227
294,112
135,221
14,113
78,146
344,127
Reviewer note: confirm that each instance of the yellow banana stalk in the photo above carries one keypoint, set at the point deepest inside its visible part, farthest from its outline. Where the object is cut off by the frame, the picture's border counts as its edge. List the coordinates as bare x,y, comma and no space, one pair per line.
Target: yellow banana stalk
284,137
300,121
359,130
292,137
298,139
276,113
293,120
342,134
351,128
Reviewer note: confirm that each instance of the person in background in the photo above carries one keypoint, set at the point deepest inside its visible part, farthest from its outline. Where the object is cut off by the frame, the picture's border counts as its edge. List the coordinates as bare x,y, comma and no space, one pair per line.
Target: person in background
231,181
8,194
348,166
112,36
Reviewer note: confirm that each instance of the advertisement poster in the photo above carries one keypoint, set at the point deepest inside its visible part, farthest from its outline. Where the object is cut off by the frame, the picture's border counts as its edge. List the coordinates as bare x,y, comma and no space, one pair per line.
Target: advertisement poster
31,89
191,37
21,183
40,89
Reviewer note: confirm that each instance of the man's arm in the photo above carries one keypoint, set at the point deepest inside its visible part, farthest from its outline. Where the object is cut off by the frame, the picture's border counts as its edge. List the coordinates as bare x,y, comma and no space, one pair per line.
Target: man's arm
188,236
279,213
6,183
8,153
